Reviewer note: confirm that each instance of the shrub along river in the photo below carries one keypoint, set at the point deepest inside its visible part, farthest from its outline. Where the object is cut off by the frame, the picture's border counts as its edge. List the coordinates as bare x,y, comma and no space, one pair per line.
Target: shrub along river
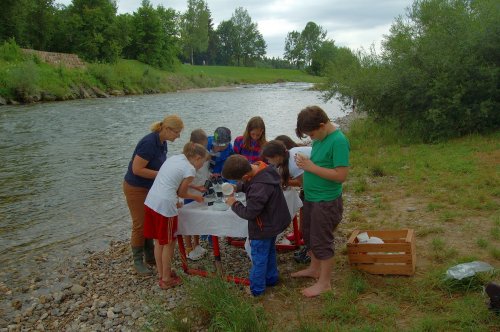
62,164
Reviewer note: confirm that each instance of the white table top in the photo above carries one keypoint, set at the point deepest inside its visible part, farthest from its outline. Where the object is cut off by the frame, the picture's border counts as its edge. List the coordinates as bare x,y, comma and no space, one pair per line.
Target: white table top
199,219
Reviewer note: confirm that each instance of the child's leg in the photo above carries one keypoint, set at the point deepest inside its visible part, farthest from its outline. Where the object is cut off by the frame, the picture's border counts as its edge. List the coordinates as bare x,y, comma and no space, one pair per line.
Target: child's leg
189,245
327,216
272,273
166,258
260,255
158,249
196,241
313,270
323,284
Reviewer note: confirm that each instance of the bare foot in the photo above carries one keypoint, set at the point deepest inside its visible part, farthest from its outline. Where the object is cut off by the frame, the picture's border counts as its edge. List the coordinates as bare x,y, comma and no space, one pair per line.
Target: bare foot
316,290
306,273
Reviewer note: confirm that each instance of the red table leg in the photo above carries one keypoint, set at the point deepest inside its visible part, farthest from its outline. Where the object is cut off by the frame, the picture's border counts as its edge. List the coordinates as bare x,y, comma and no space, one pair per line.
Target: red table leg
218,263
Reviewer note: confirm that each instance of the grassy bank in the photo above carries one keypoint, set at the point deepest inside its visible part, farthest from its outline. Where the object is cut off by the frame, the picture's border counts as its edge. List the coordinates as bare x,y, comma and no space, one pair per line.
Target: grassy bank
448,193
25,78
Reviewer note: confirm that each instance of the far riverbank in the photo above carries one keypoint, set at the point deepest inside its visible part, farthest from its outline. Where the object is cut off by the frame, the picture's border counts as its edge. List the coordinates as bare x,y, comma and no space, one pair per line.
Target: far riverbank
28,79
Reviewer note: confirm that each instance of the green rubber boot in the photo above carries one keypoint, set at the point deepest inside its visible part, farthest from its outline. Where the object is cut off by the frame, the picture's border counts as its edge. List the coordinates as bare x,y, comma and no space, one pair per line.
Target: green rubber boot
149,251
139,266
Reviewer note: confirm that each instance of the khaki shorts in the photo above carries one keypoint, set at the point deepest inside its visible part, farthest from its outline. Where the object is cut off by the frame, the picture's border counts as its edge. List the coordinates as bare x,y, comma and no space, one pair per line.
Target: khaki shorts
320,219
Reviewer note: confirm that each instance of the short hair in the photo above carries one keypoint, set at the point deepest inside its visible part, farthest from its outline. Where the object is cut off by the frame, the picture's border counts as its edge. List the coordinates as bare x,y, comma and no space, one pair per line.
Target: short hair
191,150
235,167
309,119
199,136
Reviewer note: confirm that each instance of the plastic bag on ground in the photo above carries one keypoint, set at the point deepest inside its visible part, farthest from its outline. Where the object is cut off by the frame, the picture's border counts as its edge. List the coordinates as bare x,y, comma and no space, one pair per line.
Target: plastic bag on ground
465,270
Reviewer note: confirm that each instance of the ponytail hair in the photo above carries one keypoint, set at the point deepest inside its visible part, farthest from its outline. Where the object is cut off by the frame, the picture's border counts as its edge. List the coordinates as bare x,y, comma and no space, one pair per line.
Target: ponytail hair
170,121
276,148
192,150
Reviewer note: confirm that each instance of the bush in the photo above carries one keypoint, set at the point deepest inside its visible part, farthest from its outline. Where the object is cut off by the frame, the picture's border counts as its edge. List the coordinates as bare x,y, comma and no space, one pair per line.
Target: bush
9,51
437,76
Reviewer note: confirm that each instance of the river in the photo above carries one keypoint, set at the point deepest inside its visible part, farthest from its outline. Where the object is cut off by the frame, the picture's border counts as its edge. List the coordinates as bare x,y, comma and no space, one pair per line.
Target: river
63,163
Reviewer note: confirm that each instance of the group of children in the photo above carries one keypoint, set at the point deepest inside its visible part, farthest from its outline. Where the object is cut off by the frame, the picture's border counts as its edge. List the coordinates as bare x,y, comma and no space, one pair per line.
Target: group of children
262,170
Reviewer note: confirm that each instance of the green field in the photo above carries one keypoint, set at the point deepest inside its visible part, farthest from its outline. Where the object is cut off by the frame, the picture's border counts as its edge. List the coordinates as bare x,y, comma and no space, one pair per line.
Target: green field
25,79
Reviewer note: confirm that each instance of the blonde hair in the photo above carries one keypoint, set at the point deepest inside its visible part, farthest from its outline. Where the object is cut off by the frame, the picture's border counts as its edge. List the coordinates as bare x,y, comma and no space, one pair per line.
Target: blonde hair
170,121
191,150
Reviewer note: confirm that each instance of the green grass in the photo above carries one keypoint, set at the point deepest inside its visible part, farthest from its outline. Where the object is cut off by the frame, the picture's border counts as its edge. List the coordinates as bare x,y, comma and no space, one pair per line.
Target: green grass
249,75
25,78
213,303
452,186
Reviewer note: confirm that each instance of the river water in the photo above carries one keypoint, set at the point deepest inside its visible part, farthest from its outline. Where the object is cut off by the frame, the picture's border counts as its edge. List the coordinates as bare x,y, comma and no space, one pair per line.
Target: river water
62,164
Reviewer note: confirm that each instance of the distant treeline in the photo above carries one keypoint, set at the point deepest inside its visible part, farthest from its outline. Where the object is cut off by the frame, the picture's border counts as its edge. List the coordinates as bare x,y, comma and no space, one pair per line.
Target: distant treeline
159,36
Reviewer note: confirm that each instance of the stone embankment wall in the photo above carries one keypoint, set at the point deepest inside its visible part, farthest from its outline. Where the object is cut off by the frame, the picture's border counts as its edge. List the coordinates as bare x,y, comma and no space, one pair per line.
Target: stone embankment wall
53,58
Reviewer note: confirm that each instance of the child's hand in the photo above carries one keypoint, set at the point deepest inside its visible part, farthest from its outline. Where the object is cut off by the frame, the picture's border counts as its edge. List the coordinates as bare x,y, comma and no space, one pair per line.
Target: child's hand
303,161
199,199
201,189
180,204
230,200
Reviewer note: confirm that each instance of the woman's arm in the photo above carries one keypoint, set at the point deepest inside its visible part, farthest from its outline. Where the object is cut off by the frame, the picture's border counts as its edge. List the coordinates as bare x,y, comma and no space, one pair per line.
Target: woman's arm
139,168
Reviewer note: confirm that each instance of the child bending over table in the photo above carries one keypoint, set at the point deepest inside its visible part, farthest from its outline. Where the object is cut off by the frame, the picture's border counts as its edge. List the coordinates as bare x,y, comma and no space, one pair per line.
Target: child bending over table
162,202
267,214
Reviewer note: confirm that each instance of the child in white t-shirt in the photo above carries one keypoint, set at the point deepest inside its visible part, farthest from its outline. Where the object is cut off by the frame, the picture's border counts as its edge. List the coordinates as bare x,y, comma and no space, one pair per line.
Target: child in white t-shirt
162,202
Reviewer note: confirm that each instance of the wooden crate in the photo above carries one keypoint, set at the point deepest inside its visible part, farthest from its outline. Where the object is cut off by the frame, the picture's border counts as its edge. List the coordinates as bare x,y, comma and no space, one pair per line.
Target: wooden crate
395,256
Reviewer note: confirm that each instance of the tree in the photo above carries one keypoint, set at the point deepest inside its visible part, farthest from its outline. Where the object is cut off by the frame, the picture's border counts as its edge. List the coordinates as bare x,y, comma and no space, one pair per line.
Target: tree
294,49
154,39
226,35
438,74
13,20
248,41
322,58
93,32
311,38
194,32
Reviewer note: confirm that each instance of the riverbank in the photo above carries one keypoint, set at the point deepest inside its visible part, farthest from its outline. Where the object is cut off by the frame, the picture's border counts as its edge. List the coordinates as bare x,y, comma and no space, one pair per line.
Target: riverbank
26,78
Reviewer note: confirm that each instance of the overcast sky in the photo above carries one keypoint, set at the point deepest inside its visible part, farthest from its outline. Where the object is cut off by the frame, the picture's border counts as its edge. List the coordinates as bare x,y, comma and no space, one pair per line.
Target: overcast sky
351,23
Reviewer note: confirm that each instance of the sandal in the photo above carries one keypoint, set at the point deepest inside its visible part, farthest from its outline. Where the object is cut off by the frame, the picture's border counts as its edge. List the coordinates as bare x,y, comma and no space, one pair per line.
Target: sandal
173,282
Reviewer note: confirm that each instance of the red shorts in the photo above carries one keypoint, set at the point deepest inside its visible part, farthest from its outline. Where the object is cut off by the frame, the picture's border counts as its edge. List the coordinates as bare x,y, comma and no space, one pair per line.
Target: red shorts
159,227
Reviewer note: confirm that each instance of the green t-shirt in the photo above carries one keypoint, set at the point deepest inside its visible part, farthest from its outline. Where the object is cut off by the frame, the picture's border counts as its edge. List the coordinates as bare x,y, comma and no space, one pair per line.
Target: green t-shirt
331,152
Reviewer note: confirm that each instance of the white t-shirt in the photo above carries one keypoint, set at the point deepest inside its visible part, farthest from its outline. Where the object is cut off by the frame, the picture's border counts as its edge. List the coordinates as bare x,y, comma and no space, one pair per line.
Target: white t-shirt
292,166
162,196
201,176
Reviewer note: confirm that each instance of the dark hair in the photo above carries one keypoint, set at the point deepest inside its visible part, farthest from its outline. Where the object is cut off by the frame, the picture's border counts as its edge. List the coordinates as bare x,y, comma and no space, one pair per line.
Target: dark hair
254,123
277,148
235,167
198,136
289,143
309,119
